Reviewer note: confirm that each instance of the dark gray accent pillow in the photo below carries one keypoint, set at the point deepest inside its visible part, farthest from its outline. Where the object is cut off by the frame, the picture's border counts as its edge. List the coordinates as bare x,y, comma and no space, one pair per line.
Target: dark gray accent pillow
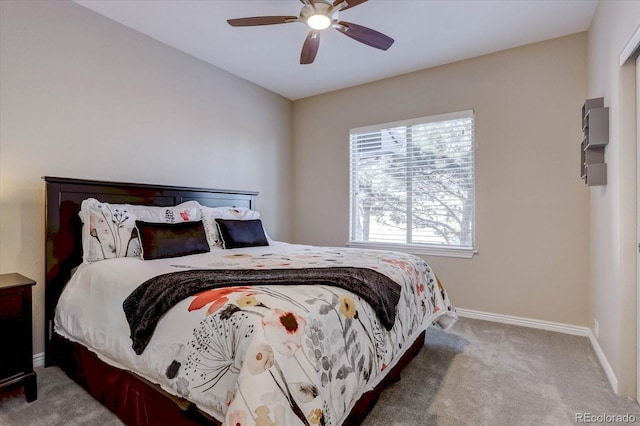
241,233
162,240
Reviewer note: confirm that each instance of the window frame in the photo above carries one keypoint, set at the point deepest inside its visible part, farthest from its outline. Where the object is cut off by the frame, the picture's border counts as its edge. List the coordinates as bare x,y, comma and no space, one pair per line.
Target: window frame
418,249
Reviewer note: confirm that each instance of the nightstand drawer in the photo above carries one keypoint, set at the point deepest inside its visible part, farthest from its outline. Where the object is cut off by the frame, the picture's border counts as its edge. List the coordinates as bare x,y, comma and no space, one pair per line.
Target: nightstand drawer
10,307
12,331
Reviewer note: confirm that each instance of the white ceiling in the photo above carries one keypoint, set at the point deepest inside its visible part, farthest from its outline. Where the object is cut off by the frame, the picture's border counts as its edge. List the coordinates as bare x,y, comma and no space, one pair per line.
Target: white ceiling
427,33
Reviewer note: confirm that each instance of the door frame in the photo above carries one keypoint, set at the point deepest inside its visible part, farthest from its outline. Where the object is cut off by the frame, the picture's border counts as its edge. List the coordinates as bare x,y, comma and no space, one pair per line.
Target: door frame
631,52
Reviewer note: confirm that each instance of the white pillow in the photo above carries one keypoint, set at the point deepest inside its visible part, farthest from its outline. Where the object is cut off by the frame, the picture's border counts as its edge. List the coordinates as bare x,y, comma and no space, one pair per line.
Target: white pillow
188,211
108,229
210,214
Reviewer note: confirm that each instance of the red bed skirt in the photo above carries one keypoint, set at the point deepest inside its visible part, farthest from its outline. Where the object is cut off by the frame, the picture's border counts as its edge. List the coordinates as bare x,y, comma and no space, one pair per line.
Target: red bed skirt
137,402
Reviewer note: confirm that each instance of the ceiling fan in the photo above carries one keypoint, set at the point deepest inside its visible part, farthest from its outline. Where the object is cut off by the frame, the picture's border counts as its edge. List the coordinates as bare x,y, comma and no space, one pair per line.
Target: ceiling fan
320,15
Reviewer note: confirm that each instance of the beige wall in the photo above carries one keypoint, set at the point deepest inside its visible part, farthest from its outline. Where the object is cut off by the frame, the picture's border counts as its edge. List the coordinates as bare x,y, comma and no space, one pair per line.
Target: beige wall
613,208
85,97
532,223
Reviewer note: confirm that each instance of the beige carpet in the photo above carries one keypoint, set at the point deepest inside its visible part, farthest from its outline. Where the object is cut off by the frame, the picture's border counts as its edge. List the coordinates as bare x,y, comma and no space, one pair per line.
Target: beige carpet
484,373
477,373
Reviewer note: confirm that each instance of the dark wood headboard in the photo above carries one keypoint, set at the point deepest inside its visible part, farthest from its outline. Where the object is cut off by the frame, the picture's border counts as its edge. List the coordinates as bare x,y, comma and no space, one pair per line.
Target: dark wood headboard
63,226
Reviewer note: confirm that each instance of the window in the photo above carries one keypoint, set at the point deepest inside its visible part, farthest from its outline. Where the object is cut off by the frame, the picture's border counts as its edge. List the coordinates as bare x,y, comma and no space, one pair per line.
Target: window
412,185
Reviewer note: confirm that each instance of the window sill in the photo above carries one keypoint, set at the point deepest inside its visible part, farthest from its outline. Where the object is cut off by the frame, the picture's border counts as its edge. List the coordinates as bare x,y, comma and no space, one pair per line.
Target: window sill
465,253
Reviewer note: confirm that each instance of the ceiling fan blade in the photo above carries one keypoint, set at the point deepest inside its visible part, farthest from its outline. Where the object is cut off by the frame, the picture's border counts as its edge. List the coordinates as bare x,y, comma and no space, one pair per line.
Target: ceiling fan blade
350,3
365,35
310,47
261,20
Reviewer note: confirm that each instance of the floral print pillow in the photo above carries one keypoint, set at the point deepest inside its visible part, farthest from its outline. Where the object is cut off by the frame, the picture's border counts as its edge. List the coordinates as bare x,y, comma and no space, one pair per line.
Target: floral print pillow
109,230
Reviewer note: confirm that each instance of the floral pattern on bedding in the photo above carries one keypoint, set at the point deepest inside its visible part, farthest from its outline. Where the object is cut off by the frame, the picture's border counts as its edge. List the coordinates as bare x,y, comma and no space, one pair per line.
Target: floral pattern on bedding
289,355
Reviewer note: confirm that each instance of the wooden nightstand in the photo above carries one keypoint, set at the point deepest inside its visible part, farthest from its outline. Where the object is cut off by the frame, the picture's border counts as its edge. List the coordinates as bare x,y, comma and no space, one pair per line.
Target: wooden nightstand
16,349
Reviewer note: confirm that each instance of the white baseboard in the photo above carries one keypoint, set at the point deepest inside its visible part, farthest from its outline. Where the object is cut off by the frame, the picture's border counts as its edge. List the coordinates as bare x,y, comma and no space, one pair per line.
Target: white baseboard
38,359
613,380
551,326
525,322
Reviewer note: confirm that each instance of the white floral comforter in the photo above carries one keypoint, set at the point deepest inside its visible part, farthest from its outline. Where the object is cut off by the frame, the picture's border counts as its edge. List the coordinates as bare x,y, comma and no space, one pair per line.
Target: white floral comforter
263,355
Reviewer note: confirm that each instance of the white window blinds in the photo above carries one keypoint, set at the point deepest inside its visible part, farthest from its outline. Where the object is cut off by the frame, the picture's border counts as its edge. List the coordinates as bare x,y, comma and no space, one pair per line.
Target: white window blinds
412,183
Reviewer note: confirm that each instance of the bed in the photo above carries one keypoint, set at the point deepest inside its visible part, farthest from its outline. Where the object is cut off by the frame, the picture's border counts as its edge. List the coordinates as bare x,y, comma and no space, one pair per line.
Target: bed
298,338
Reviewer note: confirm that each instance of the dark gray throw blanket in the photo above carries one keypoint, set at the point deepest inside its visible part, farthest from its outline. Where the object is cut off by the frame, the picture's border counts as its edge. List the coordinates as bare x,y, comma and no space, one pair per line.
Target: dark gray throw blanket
146,304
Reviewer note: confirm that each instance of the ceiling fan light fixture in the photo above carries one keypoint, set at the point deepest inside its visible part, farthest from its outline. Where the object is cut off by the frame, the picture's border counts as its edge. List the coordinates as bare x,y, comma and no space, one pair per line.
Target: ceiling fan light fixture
319,21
